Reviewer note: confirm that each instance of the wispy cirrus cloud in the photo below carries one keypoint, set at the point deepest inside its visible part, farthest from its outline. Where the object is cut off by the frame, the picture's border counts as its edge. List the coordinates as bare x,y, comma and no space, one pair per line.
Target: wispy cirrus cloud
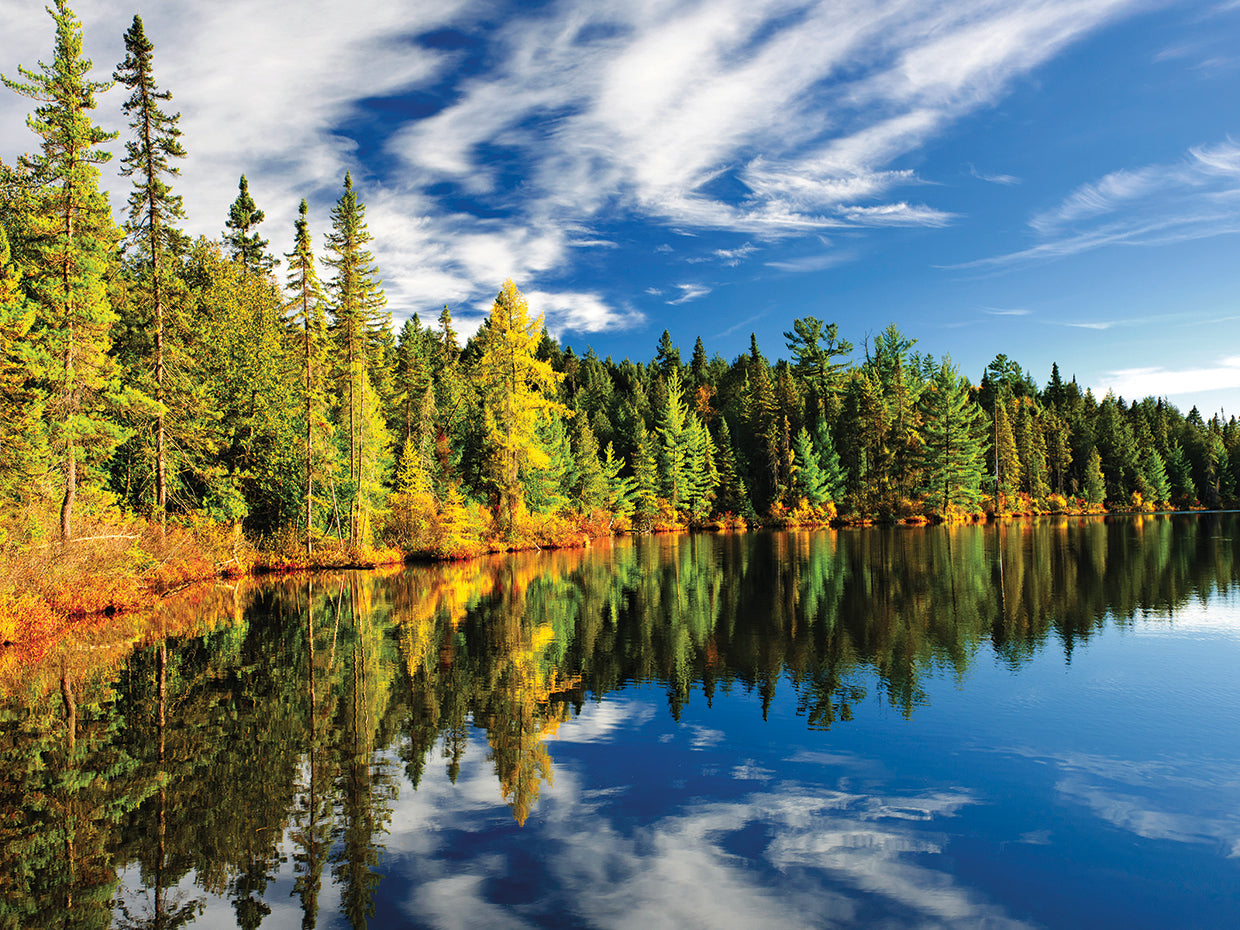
689,292
766,118
1194,198
1006,179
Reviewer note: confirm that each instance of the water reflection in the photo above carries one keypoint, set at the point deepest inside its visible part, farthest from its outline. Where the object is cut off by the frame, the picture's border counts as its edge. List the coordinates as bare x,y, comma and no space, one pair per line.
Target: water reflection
261,729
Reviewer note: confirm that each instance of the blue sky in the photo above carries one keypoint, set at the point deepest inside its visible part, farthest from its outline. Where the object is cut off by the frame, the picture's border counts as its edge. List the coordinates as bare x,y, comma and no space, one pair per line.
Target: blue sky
1057,180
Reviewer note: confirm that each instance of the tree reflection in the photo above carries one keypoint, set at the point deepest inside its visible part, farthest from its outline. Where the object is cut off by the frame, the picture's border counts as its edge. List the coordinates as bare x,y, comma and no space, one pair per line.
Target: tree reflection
277,725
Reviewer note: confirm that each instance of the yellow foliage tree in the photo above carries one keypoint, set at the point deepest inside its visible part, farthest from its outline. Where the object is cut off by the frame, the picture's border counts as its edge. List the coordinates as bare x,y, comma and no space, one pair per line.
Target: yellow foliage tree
515,388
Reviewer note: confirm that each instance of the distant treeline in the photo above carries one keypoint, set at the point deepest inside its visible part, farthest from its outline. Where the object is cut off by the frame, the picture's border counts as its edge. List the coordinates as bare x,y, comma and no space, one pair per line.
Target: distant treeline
190,379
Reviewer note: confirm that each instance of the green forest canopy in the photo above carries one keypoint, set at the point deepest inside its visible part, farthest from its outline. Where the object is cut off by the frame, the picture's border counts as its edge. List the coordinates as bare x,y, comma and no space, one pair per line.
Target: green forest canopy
182,377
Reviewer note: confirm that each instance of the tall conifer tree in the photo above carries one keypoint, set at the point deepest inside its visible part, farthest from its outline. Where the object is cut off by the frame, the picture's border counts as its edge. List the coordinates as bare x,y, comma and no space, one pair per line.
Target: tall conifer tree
153,210
356,303
244,243
953,428
306,303
72,238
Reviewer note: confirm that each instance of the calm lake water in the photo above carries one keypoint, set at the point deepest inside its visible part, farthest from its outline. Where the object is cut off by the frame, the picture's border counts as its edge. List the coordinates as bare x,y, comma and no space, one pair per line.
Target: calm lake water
1023,725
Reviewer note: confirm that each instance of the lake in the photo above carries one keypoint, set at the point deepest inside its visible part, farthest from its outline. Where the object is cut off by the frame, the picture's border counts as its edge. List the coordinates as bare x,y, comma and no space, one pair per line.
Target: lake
1030,724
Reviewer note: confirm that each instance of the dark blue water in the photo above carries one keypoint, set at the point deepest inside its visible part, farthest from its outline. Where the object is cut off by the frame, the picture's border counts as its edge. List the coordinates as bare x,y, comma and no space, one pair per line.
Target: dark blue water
922,727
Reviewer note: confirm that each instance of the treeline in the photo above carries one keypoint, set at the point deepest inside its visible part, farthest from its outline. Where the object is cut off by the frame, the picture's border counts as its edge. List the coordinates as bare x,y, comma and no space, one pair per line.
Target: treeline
202,380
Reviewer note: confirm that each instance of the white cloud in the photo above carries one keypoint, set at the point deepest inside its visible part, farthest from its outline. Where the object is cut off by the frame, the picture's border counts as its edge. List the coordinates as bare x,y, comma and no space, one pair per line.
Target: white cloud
1164,382
1006,179
690,292
995,311
801,110
809,263
1194,198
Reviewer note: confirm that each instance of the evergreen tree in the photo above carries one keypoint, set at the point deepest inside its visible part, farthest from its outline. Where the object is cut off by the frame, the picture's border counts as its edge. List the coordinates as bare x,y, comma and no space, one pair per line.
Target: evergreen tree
1031,450
1058,446
698,365
620,489
20,404
810,482
667,358
953,455
814,361
646,476
1154,473
356,301
1180,474
731,496
244,243
674,462
306,305
832,469
153,210
590,488
1004,457
71,239
701,476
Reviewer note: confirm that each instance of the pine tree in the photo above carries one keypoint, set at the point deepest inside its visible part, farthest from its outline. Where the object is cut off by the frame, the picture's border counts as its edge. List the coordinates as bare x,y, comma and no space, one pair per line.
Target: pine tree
621,489
72,238
809,481
832,469
590,489
306,305
673,442
813,361
953,455
356,301
1154,472
731,496
1004,457
1031,450
1058,446
698,365
244,244
1180,473
646,476
701,477
153,209
20,358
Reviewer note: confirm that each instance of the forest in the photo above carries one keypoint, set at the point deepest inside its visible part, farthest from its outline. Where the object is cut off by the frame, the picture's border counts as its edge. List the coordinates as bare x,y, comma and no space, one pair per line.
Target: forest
225,390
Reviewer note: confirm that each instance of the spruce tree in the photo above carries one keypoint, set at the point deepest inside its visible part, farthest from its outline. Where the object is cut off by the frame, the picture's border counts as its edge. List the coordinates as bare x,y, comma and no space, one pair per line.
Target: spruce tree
306,304
1095,484
646,476
355,302
590,486
1154,473
1180,473
72,238
20,403
673,442
832,469
620,488
153,210
244,243
1005,457
808,479
731,496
